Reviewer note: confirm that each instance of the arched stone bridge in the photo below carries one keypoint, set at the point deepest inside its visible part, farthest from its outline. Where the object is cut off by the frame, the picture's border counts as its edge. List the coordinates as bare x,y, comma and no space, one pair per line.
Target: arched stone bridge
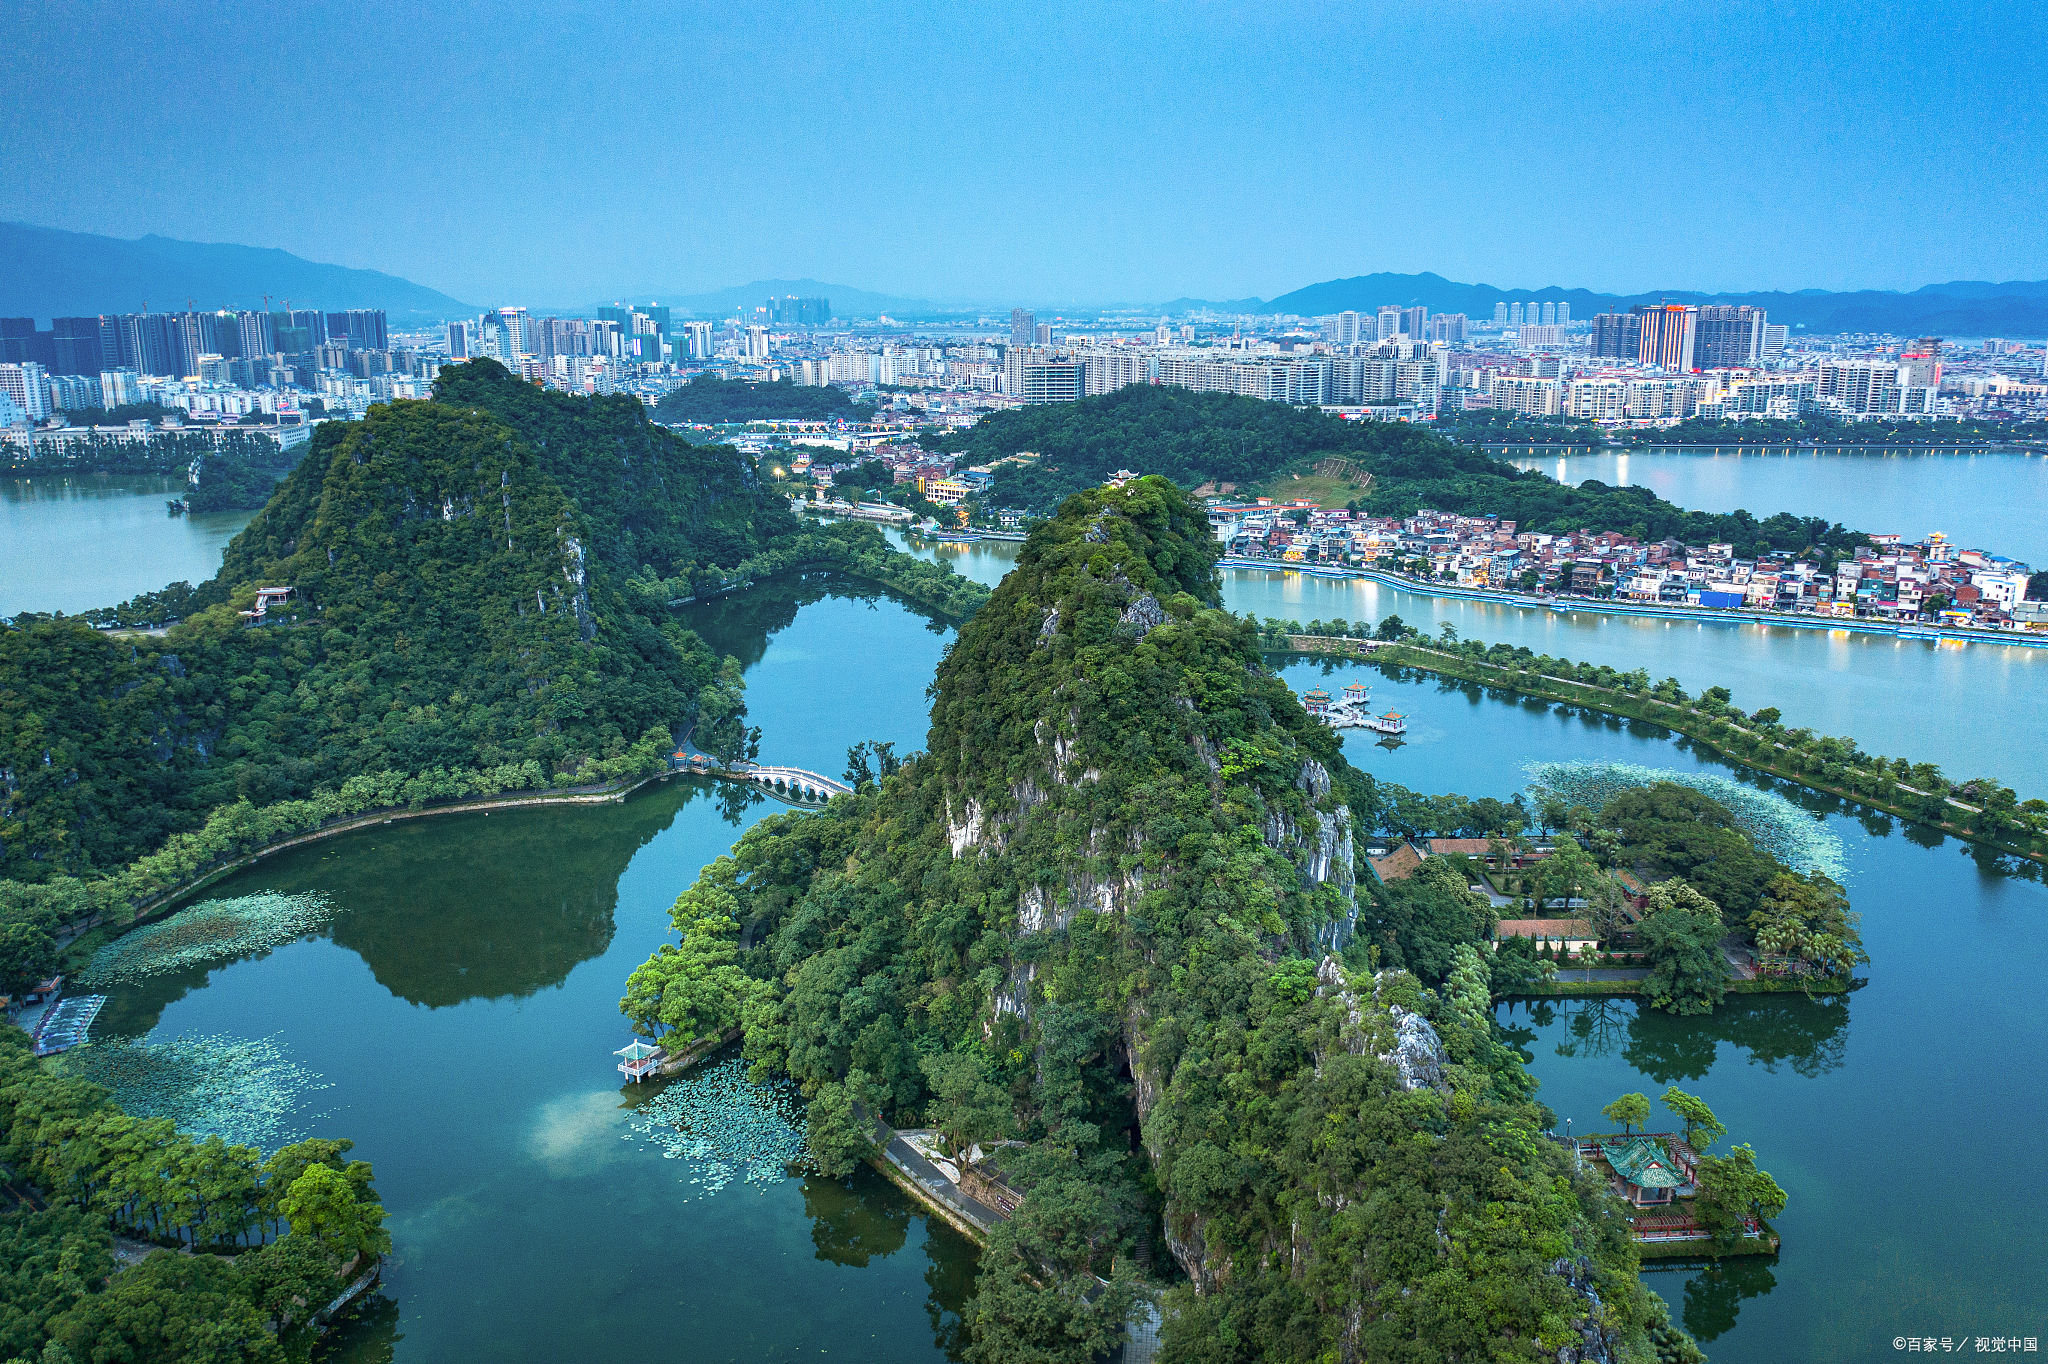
793,783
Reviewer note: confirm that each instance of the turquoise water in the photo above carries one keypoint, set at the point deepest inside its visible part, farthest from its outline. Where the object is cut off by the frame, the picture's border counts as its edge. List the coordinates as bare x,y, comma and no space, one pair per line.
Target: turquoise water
1982,499
77,541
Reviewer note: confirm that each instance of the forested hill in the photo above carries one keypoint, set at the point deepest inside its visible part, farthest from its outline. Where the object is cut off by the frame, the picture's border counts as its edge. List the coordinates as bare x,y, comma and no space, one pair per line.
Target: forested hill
1196,438
457,620
1111,915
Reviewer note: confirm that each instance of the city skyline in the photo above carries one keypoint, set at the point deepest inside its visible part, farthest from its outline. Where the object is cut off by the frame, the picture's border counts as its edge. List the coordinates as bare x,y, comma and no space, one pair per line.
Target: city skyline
964,166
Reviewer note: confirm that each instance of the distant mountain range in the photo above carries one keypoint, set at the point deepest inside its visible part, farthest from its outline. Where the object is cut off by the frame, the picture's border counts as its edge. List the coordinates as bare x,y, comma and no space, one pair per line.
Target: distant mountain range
2018,308
846,300
47,273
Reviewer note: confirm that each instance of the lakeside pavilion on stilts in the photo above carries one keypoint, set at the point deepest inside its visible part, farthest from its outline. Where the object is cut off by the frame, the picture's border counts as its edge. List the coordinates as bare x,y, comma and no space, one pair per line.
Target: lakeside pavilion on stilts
638,1059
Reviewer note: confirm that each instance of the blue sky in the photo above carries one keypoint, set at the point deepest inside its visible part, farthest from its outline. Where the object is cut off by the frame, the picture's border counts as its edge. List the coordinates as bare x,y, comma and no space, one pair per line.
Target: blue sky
563,153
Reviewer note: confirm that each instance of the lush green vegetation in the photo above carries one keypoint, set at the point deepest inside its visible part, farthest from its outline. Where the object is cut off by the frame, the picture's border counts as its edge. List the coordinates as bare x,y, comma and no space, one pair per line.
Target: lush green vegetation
462,623
281,1236
1086,920
857,550
118,416
1191,438
1194,438
1493,425
710,399
1979,808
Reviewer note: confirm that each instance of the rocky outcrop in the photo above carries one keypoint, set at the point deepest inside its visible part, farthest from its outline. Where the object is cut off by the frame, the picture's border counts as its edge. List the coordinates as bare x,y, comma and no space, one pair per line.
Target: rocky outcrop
1142,616
1595,1345
1324,852
1402,1038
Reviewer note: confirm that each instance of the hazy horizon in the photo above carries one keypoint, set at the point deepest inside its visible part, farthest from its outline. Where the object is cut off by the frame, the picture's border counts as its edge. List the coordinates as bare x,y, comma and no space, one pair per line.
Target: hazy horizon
1064,155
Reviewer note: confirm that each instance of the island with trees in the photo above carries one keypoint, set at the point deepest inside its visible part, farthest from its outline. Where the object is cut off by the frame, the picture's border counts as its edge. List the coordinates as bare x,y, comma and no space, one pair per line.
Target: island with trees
1106,931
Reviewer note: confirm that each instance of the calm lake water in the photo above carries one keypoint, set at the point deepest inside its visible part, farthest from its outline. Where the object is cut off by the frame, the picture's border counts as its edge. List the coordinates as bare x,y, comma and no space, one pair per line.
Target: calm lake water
1972,709
1981,499
462,1008
73,542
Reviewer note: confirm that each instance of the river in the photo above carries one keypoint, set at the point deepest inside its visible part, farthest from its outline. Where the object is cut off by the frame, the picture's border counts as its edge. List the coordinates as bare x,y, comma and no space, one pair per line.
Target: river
1980,499
1972,709
77,541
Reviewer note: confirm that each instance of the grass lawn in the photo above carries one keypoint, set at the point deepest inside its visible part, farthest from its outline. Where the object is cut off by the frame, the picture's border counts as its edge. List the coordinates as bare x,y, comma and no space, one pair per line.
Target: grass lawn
1324,490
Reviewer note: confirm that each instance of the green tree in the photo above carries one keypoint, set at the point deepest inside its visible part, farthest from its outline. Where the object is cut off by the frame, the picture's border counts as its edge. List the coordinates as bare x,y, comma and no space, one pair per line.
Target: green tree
1702,1128
965,1107
322,1204
170,1309
695,988
837,1139
28,956
1805,921
1732,1188
1630,1110
1682,932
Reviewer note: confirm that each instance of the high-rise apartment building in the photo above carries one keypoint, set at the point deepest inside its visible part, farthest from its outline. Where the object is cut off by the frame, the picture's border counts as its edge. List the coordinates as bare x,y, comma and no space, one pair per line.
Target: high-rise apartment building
1412,322
1388,325
1728,337
1668,333
1341,330
1515,314
697,335
1041,335
77,345
461,339
1618,336
1775,337
1051,380
757,342
28,385
1859,386
512,328
119,387
1448,328
1920,363
1023,328
74,392
256,338
1500,314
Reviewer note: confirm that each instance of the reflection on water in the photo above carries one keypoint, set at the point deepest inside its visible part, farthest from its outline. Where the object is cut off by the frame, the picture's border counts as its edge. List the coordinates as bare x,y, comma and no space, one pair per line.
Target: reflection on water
79,541
1806,1034
848,1229
1714,1295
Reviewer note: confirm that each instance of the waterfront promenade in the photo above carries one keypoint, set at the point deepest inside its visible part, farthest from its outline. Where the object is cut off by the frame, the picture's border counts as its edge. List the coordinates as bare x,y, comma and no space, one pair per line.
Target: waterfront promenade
1699,615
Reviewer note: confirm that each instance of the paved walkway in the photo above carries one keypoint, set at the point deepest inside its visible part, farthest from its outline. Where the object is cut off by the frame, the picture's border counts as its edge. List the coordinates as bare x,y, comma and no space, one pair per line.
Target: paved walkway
1603,973
906,1159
